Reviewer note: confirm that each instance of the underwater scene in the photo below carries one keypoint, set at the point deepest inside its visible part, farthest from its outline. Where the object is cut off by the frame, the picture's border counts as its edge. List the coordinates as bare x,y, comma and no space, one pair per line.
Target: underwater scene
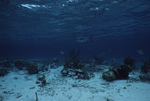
74,50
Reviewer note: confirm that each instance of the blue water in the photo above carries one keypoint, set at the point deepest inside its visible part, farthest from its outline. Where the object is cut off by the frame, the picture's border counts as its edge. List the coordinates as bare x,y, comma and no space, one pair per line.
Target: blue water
43,28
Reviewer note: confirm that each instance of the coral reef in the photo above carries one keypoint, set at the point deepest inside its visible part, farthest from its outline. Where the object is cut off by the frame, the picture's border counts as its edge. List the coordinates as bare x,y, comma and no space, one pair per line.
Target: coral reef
5,63
32,68
73,59
3,71
41,78
109,75
4,66
146,67
128,61
79,72
74,68
145,77
121,72
44,68
20,64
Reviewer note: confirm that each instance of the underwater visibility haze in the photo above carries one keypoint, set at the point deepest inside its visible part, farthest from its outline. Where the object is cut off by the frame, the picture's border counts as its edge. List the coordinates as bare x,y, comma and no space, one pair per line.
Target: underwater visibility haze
74,50
50,28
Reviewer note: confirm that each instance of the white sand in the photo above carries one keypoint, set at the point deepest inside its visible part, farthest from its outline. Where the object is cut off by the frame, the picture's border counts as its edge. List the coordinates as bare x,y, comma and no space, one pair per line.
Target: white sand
68,89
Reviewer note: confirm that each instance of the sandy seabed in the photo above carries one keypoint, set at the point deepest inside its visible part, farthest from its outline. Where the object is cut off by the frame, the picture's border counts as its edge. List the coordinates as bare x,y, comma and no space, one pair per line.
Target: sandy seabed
20,86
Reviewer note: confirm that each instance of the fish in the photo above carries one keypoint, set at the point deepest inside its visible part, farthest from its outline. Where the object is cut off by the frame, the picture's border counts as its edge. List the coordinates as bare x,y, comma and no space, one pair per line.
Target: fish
139,51
82,39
